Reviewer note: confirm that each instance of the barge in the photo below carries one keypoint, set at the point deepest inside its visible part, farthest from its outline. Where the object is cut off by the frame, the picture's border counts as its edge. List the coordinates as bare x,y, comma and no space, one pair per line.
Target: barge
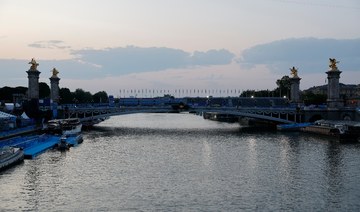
345,131
66,127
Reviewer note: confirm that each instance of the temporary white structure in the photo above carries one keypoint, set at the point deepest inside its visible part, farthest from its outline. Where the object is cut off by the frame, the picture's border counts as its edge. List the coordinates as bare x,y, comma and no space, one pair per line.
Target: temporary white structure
24,116
7,116
7,121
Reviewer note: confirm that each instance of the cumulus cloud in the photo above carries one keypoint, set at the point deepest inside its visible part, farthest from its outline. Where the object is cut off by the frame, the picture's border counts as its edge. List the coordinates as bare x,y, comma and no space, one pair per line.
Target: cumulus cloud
308,54
130,59
49,44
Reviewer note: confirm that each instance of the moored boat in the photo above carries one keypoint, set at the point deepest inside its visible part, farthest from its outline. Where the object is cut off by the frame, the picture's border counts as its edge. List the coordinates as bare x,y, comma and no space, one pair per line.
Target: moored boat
10,156
344,131
63,144
64,126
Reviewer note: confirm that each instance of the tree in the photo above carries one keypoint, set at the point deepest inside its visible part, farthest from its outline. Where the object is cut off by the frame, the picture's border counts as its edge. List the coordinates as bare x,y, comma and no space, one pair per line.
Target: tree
260,93
284,86
81,96
100,97
6,93
44,90
20,90
66,97
313,99
248,93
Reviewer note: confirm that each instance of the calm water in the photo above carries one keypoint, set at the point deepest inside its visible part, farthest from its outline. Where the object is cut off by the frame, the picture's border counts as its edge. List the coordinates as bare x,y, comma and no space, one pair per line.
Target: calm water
181,162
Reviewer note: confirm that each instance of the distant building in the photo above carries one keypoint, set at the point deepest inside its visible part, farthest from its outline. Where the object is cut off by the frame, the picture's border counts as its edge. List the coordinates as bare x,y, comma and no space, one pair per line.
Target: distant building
347,91
350,93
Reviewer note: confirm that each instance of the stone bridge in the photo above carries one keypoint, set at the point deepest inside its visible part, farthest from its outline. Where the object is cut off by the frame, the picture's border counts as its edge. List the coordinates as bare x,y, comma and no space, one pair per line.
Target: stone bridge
93,115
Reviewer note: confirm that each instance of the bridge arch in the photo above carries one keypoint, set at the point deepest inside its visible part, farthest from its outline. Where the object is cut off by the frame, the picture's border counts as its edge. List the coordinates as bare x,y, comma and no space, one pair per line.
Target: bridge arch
347,117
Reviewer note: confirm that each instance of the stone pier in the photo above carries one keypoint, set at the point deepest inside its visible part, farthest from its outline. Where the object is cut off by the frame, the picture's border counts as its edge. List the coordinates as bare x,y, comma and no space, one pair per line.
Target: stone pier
334,101
295,86
33,76
54,86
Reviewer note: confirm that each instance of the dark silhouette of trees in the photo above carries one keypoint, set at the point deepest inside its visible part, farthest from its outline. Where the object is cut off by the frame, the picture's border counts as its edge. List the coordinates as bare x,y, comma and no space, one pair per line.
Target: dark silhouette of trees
259,93
283,89
310,98
284,86
100,97
66,97
81,96
6,93
44,90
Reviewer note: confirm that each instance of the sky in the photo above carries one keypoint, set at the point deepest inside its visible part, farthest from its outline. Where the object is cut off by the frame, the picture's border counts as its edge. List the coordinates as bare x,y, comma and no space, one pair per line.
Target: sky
112,45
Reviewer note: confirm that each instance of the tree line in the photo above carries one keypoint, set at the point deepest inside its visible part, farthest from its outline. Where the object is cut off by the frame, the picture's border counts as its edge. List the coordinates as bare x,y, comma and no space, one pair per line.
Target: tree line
283,89
81,96
66,96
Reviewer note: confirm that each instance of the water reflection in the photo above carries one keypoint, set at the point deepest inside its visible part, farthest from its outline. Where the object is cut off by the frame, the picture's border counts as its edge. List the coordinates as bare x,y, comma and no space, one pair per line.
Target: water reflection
31,190
333,189
168,162
207,153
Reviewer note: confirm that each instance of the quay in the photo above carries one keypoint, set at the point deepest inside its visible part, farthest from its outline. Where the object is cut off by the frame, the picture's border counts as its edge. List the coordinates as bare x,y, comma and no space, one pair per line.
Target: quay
32,145
19,132
37,144
40,146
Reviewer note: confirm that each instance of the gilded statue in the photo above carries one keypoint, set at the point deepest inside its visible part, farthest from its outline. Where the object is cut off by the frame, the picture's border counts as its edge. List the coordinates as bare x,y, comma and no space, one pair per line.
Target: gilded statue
55,72
34,64
332,64
294,72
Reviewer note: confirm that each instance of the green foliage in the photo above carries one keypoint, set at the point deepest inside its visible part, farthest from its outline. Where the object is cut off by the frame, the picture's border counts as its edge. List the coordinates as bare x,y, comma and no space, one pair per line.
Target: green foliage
283,89
313,99
248,93
81,96
66,97
284,86
6,93
260,93
100,97
44,90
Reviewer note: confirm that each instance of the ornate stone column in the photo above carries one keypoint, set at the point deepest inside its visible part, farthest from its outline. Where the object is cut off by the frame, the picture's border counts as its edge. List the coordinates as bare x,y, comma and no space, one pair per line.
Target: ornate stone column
33,76
333,92
295,86
54,86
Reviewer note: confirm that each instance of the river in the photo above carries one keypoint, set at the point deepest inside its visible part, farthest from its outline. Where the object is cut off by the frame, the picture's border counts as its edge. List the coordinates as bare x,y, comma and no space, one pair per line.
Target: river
181,162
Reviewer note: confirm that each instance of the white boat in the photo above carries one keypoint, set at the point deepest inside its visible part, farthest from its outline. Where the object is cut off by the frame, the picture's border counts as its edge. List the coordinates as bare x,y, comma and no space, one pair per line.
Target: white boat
64,126
10,156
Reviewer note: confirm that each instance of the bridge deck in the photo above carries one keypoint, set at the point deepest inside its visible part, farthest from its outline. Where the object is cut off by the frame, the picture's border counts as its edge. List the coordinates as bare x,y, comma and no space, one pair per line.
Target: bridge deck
275,114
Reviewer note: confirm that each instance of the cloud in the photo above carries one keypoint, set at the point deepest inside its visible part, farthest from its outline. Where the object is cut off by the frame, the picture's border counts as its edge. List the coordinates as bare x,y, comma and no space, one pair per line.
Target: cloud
308,54
131,59
112,62
49,44
15,68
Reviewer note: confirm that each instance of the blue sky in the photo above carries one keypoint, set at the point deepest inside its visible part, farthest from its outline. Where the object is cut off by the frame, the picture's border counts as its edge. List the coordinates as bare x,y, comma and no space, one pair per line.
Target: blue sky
168,44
